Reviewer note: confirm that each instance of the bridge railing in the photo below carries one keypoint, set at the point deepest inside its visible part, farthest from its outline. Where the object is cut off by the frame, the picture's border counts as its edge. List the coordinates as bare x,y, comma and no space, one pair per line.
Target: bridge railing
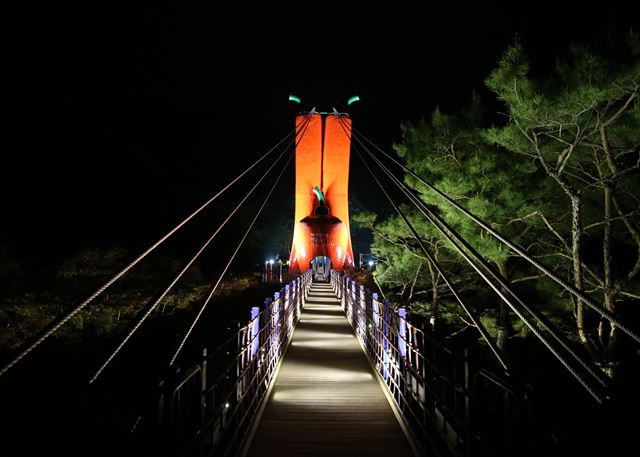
449,405
209,408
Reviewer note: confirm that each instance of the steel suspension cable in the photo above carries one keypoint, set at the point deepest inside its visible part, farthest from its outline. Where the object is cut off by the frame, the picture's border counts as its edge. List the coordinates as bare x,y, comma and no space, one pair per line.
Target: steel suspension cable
443,228
580,379
603,312
533,328
483,332
233,256
55,326
155,303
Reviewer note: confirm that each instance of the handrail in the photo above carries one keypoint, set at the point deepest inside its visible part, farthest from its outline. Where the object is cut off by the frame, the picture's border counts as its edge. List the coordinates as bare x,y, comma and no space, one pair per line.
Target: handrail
210,408
440,395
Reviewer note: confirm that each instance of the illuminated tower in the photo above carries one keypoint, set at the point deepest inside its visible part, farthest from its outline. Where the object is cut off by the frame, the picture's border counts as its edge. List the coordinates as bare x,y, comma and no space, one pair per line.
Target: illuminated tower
322,189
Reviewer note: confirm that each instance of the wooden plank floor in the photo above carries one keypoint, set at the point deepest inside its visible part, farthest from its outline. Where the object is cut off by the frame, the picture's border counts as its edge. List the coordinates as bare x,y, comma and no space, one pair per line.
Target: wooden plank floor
326,399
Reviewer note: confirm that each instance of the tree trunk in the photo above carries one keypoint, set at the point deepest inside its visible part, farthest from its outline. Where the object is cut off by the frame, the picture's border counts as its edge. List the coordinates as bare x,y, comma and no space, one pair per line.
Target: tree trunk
576,255
435,276
503,319
610,290
413,284
604,327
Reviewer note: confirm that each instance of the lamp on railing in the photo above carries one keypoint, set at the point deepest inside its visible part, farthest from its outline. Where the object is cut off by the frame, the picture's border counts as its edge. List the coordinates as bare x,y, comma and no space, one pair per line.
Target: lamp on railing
268,270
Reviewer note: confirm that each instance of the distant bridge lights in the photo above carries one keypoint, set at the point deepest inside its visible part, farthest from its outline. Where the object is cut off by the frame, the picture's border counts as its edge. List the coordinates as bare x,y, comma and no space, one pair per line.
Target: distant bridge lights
268,269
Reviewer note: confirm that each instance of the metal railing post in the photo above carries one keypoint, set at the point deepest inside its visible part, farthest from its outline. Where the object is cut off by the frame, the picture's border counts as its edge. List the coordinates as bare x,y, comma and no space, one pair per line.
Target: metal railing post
402,332
286,297
298,290
386,340
375,309
268,326
254,336
275,316
289,311
203,397
362,314
375,317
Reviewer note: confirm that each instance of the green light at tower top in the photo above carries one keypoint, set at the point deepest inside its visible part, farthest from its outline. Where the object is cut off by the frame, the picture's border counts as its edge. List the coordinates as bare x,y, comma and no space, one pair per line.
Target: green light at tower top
353,99
293,98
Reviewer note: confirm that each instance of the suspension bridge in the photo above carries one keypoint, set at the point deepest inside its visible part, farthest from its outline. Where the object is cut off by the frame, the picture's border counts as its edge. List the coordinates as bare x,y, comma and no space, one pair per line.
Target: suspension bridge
327,367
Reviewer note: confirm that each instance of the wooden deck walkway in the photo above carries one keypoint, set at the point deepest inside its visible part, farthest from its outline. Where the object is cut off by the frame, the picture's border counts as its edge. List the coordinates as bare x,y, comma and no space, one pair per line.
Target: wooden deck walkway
326,399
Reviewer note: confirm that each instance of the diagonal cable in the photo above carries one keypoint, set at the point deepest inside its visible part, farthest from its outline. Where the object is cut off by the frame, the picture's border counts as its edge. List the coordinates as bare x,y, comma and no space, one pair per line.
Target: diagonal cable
155,303
568,287
586,385
534,329
483,332
55,326
233,256
448,232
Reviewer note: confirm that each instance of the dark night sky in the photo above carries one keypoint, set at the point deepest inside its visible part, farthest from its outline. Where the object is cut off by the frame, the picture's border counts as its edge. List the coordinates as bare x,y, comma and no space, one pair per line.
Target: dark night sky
122,119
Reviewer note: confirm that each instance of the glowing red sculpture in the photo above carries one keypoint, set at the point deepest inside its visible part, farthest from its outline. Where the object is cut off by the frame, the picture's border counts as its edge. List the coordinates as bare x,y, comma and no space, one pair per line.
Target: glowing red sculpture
322,189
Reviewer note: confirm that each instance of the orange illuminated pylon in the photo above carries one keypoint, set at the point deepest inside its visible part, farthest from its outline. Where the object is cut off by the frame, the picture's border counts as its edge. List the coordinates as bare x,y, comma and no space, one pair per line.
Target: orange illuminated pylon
322,160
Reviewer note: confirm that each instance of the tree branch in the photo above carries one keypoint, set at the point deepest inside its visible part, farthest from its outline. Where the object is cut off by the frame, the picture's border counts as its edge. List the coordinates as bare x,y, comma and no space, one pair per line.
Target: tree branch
413,284
400,244
623,108
635,235
527,278
629,294
563,158
595,224
553,230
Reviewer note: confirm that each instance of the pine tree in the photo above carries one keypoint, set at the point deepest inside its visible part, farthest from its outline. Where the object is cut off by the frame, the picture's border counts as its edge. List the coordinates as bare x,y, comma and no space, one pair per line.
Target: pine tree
581,126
